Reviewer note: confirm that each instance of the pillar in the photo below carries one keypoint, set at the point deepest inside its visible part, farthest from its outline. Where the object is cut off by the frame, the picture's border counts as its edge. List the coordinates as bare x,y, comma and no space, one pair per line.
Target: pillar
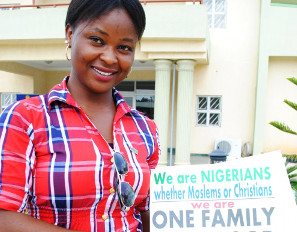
185,70
162,103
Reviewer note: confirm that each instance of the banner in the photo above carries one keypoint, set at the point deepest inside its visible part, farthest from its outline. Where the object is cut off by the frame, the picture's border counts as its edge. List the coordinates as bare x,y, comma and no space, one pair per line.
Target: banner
248,194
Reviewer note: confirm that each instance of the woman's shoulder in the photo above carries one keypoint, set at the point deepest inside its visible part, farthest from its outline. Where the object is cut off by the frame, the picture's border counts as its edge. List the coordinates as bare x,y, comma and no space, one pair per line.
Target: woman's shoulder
34,104
141,115
142,118
29,107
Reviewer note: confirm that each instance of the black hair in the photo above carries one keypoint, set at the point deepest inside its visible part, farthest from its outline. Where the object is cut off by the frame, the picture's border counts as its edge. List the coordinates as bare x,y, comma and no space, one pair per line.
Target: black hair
80,11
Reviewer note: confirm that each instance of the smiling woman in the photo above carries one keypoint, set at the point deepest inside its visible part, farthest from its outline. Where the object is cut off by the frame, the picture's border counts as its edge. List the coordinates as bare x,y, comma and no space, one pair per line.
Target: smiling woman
102,53
66,172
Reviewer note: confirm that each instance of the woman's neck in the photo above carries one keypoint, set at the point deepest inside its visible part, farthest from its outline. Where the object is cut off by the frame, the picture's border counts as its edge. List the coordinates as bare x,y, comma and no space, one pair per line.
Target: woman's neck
99,107
88,99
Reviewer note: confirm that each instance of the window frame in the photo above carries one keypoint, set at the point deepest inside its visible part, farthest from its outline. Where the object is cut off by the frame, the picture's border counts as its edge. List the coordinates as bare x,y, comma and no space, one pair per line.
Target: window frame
138,92
213,13
12,96
208,111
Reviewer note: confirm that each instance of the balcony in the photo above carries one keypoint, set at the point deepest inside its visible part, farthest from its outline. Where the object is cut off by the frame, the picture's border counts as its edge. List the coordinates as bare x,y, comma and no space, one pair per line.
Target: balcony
35,32
39,3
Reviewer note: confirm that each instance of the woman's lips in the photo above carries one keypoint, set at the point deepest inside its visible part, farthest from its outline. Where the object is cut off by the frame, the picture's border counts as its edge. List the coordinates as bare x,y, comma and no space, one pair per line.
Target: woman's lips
103,75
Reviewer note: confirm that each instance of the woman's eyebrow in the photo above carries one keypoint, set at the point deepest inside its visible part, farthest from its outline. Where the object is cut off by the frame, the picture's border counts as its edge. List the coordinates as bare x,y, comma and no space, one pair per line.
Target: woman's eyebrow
126,39
96,29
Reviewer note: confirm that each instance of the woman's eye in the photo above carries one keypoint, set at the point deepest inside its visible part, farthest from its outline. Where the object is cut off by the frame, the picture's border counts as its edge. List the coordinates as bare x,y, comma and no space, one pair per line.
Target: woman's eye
126,48
97,40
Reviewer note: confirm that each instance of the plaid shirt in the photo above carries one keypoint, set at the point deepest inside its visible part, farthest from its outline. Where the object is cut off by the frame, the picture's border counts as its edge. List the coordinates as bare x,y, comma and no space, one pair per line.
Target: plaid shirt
55,165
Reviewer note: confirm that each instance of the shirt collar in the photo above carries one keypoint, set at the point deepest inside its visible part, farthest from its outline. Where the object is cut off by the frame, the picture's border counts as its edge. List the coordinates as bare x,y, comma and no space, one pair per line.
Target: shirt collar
60,93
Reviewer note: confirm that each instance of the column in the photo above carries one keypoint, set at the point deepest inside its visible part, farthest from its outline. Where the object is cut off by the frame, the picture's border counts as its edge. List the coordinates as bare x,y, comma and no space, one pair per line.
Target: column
262,81
162,103
185,70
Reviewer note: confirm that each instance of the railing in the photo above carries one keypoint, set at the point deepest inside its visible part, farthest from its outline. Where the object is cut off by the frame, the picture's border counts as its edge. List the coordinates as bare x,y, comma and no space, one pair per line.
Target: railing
33,5
158,1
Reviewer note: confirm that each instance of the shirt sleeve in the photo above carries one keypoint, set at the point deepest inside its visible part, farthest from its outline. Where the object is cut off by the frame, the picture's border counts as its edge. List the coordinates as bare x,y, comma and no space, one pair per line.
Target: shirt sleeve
16,158
154,159
152,162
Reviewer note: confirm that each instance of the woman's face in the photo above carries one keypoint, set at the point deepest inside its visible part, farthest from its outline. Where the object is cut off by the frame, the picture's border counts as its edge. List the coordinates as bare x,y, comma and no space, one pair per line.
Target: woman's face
102,52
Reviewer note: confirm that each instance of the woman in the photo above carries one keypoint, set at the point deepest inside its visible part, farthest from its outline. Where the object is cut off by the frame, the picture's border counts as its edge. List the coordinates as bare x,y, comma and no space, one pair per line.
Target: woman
79,157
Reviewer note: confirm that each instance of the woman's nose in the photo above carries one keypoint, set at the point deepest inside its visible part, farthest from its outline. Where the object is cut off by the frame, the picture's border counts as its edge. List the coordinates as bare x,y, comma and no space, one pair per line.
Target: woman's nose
108,56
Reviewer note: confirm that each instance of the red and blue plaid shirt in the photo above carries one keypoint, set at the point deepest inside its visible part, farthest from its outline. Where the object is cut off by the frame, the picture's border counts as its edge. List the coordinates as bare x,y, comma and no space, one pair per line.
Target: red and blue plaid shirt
56,167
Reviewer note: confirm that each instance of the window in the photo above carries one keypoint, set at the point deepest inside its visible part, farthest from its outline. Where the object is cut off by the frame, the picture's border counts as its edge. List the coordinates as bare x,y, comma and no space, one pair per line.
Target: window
209,111
139,95
216,13
7,99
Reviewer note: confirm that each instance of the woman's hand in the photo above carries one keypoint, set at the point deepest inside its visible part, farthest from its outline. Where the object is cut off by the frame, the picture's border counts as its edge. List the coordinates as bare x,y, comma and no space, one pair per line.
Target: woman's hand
145,217
18,222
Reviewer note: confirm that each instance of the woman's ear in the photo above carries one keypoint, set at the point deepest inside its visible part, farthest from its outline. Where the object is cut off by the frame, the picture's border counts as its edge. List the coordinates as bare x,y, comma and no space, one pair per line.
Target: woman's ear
68,33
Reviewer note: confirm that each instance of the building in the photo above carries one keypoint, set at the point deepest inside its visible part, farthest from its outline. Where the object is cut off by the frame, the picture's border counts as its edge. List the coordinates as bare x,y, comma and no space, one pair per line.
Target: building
206,71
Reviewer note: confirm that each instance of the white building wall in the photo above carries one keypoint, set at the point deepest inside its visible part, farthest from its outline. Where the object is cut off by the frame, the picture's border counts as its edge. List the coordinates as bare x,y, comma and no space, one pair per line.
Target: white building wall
282,49
231,73
278,89
11,82
278,39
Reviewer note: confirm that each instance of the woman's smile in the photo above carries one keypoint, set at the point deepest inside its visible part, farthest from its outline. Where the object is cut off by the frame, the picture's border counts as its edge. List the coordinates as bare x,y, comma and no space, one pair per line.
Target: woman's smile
103,74
102,52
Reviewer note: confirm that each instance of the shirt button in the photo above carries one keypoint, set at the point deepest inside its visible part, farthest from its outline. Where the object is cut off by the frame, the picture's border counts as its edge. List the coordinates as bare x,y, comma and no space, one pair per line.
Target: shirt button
104,217
111,190
112,160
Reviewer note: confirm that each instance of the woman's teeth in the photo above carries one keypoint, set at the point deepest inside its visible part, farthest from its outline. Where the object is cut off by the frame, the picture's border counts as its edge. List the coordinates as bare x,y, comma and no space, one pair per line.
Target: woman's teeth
102,73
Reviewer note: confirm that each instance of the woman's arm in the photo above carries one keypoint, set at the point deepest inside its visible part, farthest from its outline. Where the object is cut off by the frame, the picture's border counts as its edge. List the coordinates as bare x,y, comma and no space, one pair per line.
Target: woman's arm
18,222
145,217
16,171
153,161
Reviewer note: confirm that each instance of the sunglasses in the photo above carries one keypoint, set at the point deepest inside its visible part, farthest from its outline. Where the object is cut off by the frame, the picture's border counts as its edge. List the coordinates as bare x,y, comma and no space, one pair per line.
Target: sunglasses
125,191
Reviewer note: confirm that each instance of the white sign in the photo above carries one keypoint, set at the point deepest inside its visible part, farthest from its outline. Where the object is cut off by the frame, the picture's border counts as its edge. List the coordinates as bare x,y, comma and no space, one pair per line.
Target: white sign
250,194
